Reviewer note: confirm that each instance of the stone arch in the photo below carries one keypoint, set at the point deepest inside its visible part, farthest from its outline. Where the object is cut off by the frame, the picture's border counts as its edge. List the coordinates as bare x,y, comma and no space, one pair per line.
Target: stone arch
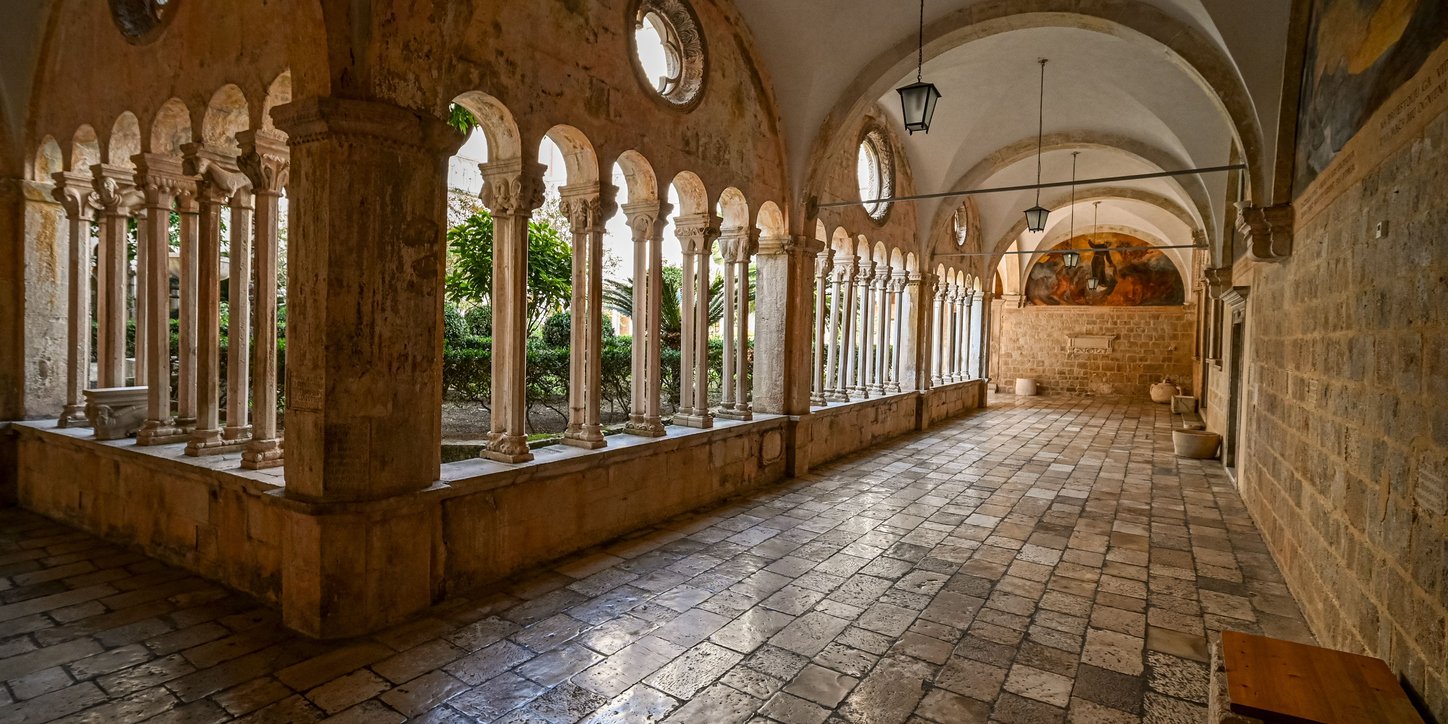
821,234
897,260
85,149
580,161
48,161
862,248
912,264
842,242
1180,262
639,178
124,140
771,220
1062,200
226,114
171,128
733,208
278,93
496,123
693,197
1195,54
880,254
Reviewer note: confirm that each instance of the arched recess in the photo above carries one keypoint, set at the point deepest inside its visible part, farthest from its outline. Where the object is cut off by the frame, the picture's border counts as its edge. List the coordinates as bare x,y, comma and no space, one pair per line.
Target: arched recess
770,220
278,93
171,127
862,249
880,254
48,161
733,209
639,178
1060,203
85,149
897,260
912,265
496,122
843,244
227,113
124,140
693,197
580,161
1186,48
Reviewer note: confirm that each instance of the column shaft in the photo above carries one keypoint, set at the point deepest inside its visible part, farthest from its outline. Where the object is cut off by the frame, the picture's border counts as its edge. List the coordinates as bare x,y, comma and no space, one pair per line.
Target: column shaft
75,191
822,287
188,209
163,179
267,163
238,327
117,198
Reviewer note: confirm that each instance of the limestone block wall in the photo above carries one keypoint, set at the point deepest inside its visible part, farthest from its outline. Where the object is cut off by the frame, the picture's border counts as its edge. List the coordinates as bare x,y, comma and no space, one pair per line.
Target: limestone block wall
1346,468
1151,342
841,430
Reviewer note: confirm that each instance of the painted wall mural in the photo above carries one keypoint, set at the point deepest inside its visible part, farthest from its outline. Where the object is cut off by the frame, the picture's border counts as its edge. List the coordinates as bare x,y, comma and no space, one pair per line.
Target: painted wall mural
1133,278
1358,53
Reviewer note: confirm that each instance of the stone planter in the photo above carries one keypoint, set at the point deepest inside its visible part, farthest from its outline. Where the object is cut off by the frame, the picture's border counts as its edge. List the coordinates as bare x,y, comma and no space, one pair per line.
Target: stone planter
1162,392
1195,444
1025,386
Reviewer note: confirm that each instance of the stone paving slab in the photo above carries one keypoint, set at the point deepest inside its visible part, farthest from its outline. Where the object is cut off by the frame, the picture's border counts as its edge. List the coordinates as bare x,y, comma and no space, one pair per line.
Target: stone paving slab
1042,560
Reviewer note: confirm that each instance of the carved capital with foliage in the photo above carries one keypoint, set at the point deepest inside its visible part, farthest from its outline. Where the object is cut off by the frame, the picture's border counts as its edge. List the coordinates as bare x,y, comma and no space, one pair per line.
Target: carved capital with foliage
1267,229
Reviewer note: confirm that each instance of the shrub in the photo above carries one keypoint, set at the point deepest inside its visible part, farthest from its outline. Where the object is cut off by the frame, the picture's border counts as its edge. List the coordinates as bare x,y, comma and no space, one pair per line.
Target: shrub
480,320
557,330
454,328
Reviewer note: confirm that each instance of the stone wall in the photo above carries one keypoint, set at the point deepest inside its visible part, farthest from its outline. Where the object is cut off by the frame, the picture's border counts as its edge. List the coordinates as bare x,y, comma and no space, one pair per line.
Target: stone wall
839,430
1150,342
1347,449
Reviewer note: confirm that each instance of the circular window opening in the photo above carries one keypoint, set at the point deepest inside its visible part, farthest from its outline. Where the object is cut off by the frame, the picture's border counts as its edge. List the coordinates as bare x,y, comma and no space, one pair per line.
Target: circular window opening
875,173
141,20
668,50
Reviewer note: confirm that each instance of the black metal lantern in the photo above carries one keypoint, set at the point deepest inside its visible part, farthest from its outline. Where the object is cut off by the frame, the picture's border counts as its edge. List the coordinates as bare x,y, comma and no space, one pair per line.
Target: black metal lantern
1036,215
1092,283
1071,259
917,105
1036,219
917,100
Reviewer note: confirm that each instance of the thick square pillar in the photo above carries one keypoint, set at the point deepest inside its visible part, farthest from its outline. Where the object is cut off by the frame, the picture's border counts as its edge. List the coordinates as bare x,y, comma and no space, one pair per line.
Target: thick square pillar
782,337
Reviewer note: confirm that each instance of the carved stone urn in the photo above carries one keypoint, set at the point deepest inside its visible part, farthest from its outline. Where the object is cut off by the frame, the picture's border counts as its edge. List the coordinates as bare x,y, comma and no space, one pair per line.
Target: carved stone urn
1162,392
115,412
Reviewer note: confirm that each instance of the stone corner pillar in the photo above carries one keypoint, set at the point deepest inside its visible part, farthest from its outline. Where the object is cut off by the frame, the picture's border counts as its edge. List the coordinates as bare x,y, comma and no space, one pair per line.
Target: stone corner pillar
783,338
368,190
1267,229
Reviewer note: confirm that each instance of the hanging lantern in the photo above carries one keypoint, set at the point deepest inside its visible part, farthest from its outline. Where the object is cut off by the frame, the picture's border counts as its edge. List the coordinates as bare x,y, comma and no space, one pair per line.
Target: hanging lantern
1092,283
1071,259
917,100
1036,215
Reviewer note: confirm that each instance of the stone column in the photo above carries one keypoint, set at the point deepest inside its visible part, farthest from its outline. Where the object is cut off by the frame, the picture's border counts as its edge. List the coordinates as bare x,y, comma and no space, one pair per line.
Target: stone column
953,343
163,178
238,328
983,369
879,378
646,222
697,234
118,201
781,340
218,181
189,210
267,163
512,189
76,193
737,259
861,354
963,367
937,335
136,284
823,264
897,292
728,240
586,215
839,299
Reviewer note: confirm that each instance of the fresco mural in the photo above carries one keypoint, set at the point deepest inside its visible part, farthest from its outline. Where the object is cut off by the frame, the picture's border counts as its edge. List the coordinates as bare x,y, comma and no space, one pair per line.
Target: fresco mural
1136,278
1358,52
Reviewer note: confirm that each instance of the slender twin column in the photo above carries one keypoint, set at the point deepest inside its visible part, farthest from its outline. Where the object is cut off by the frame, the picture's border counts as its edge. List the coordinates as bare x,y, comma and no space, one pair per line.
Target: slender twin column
937,328
737,246
848,358
218,182
267,164
967,298
164,180
588,208
952,340
646,220
512,189
238,326
879,376
76,193
696,234
839,315
119,200
189,210
897,294
861,354
823,262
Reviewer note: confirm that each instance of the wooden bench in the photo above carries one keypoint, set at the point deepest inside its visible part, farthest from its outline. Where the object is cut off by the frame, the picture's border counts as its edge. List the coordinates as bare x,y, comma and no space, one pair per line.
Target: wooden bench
1274,681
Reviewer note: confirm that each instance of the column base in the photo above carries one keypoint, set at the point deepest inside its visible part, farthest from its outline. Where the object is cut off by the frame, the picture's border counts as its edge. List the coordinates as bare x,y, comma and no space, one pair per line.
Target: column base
695,421
736,414
895,387
240,434
73,416
187,424
817,400
210,442
506,448
262,453
159,432
836,396
875,390
584,441
645,428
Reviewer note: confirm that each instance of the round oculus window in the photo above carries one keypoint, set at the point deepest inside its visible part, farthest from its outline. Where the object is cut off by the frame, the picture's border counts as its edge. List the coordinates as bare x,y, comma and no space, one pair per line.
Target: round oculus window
669,50
875,174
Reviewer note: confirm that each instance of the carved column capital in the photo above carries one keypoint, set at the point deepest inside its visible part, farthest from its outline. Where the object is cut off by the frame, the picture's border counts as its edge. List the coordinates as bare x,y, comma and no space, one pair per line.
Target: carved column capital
218,178
697,232
115,189
265,159
824,263
646,219
1267,229
512,187
76,193
1219,280
162,177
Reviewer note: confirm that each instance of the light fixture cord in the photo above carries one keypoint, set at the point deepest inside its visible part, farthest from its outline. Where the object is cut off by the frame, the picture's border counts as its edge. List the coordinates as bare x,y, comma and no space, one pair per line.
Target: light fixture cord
1074,154
920,57
1040,129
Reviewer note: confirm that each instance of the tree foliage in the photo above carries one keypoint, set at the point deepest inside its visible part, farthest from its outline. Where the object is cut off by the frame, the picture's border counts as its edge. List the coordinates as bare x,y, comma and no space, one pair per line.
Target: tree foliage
550,264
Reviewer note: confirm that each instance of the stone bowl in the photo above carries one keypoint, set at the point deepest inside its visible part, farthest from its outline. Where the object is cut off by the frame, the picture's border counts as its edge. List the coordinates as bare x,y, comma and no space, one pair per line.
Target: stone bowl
1162,392
1195,444
1025,386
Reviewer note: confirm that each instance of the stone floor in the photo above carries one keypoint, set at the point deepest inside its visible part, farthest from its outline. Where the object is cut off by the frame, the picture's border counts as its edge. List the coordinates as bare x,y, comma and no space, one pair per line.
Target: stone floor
1035,562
